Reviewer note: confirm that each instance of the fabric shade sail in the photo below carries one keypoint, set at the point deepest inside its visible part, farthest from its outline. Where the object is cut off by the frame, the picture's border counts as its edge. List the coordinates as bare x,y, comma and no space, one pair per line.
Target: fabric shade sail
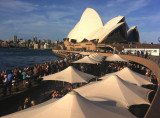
97,55
116,57
72,105
130,76
86,59
97,58
84,53
114,88
70,75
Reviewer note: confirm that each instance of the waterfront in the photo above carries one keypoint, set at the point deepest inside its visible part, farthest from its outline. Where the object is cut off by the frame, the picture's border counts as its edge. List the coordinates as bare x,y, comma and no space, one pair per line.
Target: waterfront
39,93
11,58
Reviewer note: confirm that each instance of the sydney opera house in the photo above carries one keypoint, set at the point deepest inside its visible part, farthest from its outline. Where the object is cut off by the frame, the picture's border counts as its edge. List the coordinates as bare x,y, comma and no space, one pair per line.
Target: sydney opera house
90,33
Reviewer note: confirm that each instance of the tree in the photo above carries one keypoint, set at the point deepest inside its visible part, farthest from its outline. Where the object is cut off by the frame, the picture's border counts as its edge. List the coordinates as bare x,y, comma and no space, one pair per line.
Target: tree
159,40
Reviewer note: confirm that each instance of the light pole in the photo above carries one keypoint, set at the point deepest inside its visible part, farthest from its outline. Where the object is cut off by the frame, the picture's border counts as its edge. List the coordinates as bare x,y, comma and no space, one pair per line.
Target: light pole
123,48
131,46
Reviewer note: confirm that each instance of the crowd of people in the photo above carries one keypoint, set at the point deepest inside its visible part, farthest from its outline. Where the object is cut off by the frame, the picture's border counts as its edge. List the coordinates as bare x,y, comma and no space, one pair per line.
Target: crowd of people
18,79
59,93
14,80
146,55
27,103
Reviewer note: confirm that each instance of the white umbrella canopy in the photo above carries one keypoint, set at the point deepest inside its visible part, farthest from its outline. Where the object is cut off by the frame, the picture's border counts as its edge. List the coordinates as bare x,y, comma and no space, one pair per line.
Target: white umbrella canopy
115,88
95,58
72,105
106,101
97,55
70,75
86,59
84,53
115,57
130,76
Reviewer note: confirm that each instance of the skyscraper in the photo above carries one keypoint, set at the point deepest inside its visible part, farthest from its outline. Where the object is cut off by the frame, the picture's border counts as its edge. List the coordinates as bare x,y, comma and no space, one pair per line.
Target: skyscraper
35,39
15,38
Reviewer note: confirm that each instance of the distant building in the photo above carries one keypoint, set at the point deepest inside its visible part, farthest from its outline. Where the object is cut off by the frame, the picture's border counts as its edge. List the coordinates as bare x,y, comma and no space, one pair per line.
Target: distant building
39,41
28,41
153,49
15,39
35,39
36,46
42,45
4,44
48,41
43,40
8,40
1,43
55,42
46,46
31,45
20,40
22,44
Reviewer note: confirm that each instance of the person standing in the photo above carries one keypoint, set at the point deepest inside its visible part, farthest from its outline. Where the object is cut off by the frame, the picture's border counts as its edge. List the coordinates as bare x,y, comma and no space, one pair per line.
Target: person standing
24,79
26,103
146,55
5,85
9,81
33,103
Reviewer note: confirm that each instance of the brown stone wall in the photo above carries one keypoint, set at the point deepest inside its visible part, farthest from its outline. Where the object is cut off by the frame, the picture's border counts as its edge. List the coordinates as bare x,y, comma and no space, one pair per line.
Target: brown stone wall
74,46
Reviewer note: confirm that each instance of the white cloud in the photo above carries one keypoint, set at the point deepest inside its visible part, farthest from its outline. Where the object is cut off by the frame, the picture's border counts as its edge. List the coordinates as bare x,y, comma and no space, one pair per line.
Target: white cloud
57,15
17,5
52,21
114,8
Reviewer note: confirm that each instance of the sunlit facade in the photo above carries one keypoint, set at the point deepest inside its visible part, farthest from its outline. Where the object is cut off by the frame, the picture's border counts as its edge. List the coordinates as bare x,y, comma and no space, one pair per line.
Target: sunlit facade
90,28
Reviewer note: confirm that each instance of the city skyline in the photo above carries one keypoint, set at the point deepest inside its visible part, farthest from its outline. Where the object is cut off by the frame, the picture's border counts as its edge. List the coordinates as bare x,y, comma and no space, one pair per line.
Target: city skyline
54,19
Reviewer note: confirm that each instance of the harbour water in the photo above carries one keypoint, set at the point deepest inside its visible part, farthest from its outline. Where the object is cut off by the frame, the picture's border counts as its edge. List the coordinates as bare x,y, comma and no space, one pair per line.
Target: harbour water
11,58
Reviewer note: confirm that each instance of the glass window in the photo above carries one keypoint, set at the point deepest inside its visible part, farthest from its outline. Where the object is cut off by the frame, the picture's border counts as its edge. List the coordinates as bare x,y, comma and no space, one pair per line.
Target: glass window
117,36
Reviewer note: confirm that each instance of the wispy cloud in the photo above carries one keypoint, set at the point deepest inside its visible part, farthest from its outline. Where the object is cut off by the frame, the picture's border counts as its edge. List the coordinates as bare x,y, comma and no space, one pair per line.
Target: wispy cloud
114,8
126,6
55,20
17,5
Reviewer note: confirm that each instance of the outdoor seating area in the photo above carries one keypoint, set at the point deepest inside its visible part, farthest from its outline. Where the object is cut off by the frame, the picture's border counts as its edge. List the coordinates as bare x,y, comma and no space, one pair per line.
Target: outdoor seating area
111,94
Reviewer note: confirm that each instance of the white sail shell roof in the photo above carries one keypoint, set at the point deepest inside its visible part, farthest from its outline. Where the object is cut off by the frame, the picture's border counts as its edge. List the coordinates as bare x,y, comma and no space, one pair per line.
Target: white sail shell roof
113,22
109,31
90,21
104,31
90,27
73,32
133,27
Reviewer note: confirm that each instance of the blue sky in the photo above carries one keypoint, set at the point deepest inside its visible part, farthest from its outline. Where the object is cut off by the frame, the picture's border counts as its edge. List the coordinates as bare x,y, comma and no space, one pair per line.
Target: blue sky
53,19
